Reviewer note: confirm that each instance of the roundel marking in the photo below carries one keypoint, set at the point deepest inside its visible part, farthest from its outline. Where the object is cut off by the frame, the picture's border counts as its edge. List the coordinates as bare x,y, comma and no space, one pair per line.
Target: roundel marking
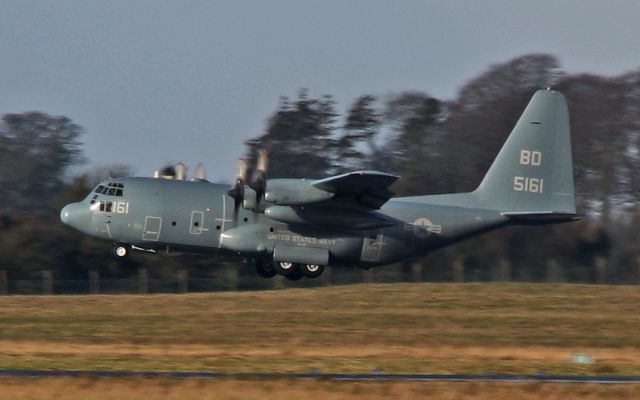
421,228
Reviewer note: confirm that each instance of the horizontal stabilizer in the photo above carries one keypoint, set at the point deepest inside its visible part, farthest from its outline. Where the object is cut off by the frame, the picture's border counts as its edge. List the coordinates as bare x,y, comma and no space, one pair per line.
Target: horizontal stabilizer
540,217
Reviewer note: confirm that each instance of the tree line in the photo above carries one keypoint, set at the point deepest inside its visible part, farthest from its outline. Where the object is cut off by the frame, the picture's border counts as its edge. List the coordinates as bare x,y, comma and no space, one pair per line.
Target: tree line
435,145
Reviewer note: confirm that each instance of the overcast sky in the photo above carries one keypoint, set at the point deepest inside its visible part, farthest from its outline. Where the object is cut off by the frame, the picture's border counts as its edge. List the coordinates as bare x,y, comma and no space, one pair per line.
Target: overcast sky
158,81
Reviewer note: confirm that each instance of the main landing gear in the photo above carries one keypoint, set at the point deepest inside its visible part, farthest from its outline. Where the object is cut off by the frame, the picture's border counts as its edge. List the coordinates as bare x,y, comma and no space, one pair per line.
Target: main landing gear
289,270
265,269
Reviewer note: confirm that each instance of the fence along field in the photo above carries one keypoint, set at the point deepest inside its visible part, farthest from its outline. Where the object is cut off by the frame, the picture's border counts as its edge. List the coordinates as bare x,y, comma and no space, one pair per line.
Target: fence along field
237,276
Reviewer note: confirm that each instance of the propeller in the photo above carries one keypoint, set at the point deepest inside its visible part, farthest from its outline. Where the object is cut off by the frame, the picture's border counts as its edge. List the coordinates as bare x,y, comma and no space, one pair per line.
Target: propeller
181,171
259,182
237,191
249,197
200,174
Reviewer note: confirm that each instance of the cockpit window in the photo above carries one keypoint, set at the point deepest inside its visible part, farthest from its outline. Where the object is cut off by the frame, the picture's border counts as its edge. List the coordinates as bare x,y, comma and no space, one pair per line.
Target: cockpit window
111,189
106,206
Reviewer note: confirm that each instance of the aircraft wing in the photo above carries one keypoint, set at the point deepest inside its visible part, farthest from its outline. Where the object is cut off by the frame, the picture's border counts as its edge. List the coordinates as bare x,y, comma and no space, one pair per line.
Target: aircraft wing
367,189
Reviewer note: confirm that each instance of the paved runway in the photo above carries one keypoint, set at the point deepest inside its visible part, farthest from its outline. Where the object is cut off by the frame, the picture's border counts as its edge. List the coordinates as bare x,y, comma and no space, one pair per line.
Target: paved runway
604,379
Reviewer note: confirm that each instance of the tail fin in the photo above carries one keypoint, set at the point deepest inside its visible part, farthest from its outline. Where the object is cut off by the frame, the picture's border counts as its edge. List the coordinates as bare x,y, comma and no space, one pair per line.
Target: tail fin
532,176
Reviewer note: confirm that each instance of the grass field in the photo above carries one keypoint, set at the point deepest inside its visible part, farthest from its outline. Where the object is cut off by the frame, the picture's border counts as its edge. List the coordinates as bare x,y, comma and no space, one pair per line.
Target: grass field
457,328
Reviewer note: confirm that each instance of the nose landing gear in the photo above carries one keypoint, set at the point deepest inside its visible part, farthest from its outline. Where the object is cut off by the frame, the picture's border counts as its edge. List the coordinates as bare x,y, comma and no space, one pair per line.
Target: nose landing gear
121,251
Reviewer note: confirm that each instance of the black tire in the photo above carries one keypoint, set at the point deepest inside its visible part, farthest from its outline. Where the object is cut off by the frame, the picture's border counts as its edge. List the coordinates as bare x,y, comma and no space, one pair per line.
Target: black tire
121,251
312,270
265,269
295,275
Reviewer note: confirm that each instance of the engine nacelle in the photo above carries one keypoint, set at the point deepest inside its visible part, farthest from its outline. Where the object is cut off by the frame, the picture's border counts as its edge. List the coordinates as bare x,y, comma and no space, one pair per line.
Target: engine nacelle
246,238
294,192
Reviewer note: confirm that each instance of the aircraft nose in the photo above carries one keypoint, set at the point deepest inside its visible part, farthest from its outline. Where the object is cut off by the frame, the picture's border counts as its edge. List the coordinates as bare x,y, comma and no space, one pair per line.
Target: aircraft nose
64,214
74,215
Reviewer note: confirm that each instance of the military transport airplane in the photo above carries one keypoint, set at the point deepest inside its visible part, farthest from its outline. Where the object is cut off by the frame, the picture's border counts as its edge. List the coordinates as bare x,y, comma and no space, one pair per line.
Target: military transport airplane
295,227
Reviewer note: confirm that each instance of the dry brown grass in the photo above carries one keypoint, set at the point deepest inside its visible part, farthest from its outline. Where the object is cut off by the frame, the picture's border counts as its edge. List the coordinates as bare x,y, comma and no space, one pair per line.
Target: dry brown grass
281,389
479,353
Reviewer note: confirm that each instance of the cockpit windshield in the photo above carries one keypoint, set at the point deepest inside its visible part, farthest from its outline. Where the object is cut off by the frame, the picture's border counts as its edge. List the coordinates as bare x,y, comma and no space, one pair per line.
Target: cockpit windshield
111,189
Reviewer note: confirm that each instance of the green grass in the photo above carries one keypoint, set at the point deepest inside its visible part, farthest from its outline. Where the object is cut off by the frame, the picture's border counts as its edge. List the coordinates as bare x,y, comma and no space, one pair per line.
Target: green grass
399,328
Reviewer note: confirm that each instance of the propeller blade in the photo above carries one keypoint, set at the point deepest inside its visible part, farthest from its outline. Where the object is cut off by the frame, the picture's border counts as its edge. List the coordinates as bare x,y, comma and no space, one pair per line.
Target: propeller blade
263,161
237,191
200,174
181,171
260,176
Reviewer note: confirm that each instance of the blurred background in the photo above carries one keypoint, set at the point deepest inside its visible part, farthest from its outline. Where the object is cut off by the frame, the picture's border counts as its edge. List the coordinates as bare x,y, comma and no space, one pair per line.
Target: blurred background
425,90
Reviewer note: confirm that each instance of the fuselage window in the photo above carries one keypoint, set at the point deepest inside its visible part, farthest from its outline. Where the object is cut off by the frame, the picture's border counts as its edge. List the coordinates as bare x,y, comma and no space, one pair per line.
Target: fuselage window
108,206
102,206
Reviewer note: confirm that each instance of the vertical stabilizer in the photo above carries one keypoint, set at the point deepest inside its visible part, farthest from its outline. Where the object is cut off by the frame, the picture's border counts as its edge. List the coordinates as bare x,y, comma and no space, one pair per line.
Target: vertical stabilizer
533,172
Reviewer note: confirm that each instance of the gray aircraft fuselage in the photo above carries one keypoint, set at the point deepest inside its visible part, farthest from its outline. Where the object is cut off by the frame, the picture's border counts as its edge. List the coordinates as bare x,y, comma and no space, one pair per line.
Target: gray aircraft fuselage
163,214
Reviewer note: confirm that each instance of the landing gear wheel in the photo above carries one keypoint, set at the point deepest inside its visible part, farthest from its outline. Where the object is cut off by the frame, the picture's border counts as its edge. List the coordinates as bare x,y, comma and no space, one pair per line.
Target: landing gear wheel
265,269
121,251
289,270
294,275
312,270
285,267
